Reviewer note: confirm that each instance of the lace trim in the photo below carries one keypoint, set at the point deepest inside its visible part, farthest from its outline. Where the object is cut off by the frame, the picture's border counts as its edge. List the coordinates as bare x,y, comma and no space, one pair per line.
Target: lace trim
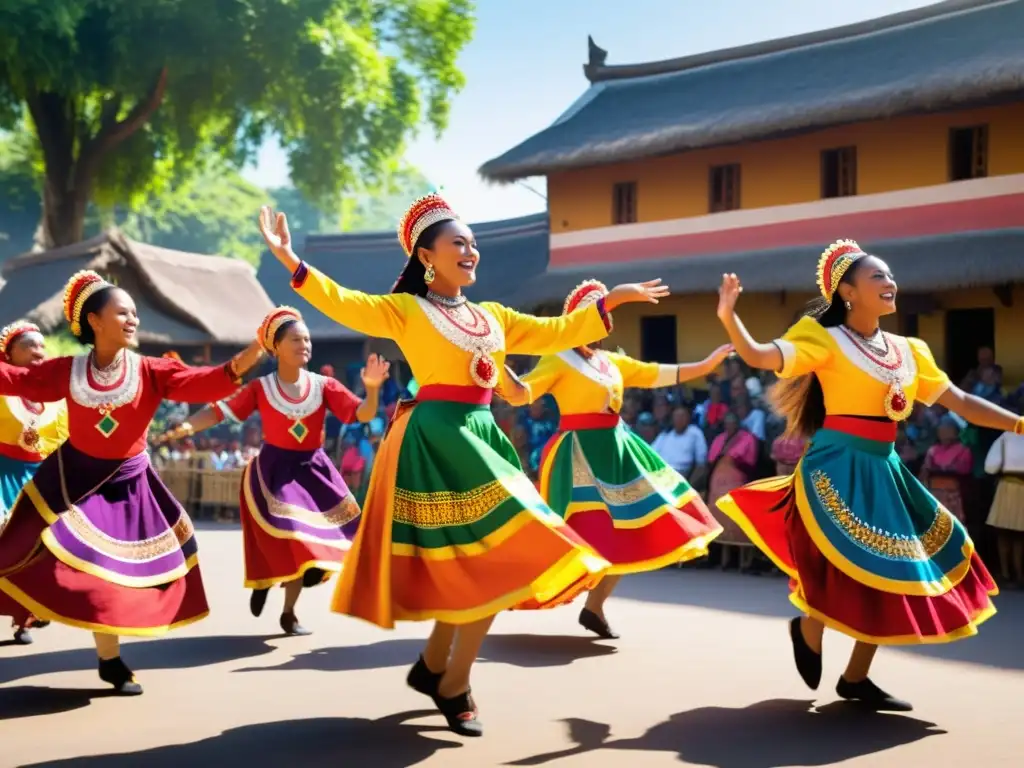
83,393
309,404
491,342
26,418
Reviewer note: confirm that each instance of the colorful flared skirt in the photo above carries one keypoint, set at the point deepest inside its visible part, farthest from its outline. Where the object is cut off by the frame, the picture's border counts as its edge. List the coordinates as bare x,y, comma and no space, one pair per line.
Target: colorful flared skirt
13,476
452,530
618,495
101,544
869,551
297,515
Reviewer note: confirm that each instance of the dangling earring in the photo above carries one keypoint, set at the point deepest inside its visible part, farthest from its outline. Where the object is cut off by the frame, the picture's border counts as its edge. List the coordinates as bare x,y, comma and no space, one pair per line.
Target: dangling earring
429,274
849,306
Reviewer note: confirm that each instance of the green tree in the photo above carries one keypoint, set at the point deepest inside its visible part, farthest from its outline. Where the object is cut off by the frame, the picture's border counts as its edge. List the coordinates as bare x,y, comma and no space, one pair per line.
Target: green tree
123,95
379,208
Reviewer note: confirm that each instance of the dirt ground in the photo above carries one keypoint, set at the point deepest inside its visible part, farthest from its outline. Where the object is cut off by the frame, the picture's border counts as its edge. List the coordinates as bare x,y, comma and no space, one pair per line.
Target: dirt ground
703,675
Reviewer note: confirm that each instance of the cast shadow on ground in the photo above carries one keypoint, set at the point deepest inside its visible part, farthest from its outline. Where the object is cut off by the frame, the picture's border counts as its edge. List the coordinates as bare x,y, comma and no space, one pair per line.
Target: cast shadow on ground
163,653
519,650
997,644
771,734
34,701
389,742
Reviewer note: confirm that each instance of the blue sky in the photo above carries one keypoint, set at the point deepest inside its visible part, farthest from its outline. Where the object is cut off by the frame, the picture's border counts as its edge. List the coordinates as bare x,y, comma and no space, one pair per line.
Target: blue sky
524,67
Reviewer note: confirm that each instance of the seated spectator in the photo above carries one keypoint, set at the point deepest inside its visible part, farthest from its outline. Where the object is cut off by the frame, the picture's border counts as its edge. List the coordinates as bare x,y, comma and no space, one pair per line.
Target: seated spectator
683,447
786,453
733,461
353,462
986,360
947,467
989,386
711,412
647,427
751,419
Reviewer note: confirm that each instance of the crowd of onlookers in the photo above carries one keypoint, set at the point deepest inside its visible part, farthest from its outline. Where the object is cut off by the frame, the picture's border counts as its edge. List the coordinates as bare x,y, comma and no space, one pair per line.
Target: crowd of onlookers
721,437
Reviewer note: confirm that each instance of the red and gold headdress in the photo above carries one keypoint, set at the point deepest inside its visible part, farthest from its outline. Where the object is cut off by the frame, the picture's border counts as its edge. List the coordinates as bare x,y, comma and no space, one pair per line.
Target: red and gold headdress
77,291
423,213
834,262
272,322
585,294
10,333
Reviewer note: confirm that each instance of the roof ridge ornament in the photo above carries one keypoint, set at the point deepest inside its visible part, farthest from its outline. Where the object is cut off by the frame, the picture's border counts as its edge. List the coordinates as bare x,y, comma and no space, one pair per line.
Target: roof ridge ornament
596,58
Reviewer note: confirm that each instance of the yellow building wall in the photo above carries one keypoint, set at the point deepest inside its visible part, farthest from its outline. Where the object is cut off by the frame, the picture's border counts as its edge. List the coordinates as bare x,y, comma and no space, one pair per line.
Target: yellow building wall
767,316
892,155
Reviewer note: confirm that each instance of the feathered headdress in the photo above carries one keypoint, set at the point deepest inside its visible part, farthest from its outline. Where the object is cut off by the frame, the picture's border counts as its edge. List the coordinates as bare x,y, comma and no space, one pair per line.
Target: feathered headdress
10,333
77,291
424,212
834,262
272,322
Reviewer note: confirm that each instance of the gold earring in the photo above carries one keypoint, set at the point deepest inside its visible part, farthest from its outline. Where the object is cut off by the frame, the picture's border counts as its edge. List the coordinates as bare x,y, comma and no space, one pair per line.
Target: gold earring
849,306
429,274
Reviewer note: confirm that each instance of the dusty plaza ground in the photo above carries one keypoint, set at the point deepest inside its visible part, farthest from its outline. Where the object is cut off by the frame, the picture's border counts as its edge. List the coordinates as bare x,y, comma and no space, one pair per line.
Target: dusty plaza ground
702,676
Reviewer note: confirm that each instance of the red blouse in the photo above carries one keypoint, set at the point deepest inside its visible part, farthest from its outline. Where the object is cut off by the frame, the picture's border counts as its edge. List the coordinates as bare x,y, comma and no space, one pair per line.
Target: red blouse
297,425
111,422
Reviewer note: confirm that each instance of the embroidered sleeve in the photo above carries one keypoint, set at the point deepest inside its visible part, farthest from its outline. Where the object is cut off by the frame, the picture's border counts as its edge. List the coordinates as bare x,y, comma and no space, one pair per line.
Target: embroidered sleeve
932,382
383,316
340,400
532,335
45,382
544,376
187,384
805,348
640,375
240,405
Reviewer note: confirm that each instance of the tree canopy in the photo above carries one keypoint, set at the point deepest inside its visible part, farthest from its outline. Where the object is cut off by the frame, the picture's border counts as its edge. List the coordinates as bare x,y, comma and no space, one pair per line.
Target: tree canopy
125,95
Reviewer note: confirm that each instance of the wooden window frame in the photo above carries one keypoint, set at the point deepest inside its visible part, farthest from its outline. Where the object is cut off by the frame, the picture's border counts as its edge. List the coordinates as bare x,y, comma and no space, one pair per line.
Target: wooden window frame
624,202
979,151
846,172
732,182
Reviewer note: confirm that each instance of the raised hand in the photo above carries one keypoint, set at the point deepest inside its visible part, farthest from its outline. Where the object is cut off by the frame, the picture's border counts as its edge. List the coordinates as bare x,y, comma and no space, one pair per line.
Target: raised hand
728,295
274,228
716,358
650,292
376,372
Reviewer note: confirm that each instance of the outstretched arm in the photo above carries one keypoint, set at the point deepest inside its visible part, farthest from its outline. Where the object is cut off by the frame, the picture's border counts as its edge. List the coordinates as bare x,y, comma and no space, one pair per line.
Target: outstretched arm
980,412
208,417
512,389
753,353
373,375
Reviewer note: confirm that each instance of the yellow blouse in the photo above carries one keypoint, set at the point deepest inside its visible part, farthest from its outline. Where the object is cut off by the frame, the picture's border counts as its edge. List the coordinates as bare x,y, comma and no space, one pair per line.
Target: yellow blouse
594,385
436,350
851,383
51,425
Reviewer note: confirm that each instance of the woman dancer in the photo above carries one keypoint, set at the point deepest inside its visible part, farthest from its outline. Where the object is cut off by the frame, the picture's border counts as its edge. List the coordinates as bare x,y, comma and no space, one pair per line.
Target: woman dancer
298,515
870,552
95,540
605,482
29,432
452,529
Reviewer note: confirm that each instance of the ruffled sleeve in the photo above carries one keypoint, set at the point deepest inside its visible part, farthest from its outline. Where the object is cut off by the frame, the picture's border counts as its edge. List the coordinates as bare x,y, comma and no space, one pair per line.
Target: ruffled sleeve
806,347
932,381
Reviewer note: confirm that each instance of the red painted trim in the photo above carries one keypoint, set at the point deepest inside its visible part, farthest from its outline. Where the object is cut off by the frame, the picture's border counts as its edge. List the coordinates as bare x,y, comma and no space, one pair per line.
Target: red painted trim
921,221
454,393
578,421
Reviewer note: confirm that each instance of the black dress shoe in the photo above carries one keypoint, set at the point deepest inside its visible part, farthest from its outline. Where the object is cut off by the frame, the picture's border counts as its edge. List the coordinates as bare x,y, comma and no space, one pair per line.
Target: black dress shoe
290,625
461,714
257,600
808,663
594,623
116,673
313,577
422,680
23,636
870,696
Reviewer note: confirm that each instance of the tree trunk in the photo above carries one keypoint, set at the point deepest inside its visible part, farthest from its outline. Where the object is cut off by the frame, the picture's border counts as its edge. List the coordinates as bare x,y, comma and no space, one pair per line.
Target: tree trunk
64,211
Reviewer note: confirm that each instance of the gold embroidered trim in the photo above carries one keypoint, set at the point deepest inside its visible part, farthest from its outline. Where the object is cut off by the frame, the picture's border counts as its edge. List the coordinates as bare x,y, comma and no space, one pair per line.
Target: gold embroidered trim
345,511
663,481
883,543
133,551
446,508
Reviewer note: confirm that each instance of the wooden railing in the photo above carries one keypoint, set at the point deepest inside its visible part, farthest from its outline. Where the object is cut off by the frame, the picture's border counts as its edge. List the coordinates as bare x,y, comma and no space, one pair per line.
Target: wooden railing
204,491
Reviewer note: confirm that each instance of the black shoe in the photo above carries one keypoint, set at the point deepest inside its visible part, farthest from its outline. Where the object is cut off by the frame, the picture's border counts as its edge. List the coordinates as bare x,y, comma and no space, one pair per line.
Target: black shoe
290,625
594,623
313,577
870,696
461,714
116,672
422,680
23,636
257,600
808,663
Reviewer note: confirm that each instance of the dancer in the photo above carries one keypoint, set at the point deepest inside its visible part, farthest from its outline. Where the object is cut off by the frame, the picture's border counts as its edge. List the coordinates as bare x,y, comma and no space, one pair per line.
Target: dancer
869,551
95,539
29,432
608,484
298,516
452,530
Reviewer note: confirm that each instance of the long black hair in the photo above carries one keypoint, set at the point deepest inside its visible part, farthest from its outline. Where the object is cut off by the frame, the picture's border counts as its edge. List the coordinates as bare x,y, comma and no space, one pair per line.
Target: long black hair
92,306
412,280
800,399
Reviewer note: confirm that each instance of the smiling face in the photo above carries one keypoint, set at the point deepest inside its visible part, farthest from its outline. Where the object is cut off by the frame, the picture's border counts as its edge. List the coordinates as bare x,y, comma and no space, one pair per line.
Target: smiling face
116,324
454,257
871,289
28,349
293,347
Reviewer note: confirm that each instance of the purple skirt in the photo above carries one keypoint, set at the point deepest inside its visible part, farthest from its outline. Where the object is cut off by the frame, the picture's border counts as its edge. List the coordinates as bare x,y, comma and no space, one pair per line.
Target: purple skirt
297,515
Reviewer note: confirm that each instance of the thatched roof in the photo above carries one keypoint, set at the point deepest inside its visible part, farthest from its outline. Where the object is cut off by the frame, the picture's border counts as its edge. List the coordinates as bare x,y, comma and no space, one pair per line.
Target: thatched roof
946,56
511,251
963,260
183,298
